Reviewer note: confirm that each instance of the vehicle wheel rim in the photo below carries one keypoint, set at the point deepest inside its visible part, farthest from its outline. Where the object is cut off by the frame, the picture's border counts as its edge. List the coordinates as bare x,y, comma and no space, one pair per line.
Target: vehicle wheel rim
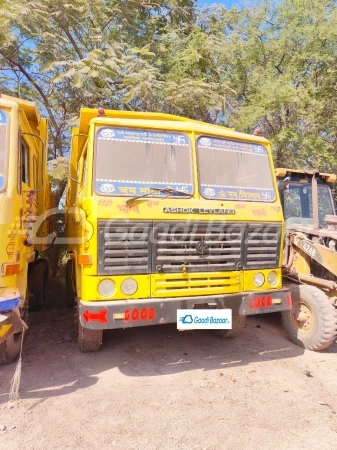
302,316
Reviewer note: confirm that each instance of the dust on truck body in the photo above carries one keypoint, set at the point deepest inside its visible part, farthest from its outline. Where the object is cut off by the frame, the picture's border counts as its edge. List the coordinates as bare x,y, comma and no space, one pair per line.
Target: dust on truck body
24,194
166,213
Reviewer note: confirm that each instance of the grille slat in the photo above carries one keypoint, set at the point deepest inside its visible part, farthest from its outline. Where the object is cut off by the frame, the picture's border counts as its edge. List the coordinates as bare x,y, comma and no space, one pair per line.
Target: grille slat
124,245
131,252
195,236
191,258
212,251
211,267
125,236
192,243
121,261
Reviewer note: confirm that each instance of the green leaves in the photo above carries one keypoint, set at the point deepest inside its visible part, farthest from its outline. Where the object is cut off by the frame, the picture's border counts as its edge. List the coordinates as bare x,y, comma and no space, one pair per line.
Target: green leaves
273,65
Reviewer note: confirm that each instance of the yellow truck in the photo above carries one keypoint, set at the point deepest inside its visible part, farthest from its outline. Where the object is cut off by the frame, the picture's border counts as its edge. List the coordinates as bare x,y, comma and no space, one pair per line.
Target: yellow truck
24,194
166,213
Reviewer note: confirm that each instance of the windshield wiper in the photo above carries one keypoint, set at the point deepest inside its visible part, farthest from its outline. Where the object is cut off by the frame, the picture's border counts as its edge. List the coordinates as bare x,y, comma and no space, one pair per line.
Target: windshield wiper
167,191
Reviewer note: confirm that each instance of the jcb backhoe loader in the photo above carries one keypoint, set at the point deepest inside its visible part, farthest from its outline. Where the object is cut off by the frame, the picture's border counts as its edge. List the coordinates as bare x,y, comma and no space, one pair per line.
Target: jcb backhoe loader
310,256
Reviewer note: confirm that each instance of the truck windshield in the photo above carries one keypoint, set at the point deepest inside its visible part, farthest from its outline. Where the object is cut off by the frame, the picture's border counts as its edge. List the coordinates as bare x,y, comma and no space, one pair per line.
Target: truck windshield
129,162
297,201
3,147
234,170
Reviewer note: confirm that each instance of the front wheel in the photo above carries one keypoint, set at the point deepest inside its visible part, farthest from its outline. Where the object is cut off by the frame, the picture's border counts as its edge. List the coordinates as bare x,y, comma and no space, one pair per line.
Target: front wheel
89,340
312,321
238,324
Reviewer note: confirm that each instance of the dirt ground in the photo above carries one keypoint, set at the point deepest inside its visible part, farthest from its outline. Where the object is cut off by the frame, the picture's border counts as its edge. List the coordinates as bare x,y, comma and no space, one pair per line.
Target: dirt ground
157,388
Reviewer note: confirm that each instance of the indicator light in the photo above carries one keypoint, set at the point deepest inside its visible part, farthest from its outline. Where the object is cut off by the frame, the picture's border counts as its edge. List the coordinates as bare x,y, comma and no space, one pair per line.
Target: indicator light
84,260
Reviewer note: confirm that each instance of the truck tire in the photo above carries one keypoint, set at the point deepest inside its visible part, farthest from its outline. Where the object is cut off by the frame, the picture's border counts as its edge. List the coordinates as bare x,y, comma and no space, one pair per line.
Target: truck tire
238,324
312,321
89,340
37,284
71,294
10,348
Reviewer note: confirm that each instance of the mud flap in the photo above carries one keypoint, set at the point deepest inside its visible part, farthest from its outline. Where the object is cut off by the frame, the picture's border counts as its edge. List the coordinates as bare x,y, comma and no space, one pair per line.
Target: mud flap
11,323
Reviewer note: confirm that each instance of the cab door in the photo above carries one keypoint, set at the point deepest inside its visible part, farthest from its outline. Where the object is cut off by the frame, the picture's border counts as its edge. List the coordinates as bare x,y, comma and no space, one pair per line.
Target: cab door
27,183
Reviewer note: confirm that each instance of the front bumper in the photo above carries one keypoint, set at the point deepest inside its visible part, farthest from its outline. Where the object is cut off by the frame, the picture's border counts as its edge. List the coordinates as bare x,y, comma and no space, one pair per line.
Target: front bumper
134,313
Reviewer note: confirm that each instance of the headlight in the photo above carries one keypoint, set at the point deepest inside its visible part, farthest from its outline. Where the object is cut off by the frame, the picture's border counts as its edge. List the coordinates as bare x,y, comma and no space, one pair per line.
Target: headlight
106,288
129,286
258,279
272,278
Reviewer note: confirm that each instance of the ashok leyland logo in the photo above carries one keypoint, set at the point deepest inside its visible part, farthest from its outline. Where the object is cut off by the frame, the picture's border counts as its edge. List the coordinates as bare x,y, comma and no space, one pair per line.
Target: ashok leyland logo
205,319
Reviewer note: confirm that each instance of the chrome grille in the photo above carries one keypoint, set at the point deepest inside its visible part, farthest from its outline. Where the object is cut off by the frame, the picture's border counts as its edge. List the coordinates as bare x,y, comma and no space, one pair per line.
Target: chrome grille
182,244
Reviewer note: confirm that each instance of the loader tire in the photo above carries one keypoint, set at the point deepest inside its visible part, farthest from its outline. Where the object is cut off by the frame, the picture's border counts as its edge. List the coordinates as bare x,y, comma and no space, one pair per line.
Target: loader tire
238,324
312,321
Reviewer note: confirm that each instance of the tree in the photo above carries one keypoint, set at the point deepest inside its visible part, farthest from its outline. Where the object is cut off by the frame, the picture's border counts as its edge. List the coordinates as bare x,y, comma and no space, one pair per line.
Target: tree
85,53
280,59
271,66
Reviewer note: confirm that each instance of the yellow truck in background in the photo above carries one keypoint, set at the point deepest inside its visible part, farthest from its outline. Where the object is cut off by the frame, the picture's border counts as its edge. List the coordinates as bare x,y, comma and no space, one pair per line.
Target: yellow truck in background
24,195
166,213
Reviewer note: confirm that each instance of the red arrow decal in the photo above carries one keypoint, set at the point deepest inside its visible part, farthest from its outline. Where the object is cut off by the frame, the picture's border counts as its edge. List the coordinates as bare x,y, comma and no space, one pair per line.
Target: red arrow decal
96,316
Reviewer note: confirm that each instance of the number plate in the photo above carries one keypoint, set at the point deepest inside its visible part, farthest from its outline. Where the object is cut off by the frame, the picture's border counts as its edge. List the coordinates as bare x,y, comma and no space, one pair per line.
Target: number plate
311,251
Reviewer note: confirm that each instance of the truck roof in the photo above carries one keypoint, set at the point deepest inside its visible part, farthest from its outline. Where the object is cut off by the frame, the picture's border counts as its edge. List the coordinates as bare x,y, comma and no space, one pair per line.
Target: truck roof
127,118
29,108
88,114
281,172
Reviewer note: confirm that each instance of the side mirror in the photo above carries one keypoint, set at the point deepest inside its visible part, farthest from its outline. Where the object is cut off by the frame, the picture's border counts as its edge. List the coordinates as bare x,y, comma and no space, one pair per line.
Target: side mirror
43,158
69,172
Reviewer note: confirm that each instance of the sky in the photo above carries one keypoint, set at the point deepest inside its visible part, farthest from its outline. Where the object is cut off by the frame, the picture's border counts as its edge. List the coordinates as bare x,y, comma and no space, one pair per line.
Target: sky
227,3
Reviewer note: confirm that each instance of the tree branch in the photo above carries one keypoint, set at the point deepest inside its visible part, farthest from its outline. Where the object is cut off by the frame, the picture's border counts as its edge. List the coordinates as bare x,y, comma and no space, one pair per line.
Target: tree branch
73,42
39,90
278,65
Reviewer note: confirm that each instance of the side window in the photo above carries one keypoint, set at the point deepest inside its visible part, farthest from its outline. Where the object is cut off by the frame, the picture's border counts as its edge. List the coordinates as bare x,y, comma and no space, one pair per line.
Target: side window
24,162
4,122
35,172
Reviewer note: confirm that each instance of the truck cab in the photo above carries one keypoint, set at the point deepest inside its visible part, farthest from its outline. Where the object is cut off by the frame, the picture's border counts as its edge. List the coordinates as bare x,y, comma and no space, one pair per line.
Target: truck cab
24,195
166,213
